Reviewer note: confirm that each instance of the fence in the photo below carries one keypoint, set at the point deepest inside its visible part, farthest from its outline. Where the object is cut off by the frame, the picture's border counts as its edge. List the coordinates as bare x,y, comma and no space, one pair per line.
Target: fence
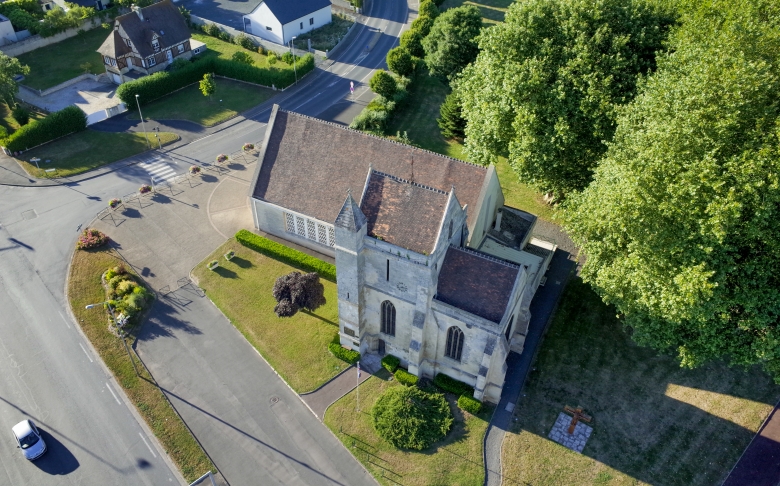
36,41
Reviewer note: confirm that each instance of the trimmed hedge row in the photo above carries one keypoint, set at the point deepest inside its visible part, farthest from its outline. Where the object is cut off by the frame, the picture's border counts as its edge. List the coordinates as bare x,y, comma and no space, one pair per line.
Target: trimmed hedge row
390,363
157,85
469,404
56,125
404,377
344,354
452,385
286,254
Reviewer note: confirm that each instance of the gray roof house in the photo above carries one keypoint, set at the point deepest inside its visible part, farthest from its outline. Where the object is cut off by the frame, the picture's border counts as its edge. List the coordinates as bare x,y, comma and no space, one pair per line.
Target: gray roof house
280,20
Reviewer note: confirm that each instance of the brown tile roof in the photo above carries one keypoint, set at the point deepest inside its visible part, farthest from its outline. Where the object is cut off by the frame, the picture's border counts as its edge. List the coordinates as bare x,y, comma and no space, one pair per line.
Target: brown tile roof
114,46
475,283
162,18
307,166
404,214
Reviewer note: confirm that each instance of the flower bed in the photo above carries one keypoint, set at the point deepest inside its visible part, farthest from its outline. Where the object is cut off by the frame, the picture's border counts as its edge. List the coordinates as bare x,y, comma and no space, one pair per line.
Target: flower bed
195,170
126,296
221,158
248,146
91,238
145,189
114,203
229,255
213,264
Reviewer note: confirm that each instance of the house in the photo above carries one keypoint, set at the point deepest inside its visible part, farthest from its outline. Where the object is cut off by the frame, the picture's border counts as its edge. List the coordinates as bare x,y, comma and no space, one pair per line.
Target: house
280,20
431,266
7,33
52,4
147,40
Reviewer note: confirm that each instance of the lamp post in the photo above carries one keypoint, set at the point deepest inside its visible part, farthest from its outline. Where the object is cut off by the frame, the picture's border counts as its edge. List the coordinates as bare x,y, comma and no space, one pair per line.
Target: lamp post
292,49
149,145
119,330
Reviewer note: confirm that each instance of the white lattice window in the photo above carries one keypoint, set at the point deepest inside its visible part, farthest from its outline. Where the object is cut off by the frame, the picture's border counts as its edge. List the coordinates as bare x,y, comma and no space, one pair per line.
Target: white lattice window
322,234
289,220
331,237
300,224
312,230
309,229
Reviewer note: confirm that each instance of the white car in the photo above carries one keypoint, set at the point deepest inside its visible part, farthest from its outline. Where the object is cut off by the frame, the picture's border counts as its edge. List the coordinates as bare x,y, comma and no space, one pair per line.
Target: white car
29,439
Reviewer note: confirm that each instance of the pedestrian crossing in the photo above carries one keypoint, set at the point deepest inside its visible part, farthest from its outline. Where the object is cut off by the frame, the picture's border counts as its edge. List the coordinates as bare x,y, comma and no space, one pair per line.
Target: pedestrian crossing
159,170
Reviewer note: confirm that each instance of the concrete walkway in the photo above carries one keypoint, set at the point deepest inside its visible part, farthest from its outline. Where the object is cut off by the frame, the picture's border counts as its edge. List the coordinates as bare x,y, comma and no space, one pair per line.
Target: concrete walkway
323,397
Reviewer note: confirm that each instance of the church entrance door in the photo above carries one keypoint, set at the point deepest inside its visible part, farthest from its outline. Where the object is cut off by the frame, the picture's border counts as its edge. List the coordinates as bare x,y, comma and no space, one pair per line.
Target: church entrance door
381,349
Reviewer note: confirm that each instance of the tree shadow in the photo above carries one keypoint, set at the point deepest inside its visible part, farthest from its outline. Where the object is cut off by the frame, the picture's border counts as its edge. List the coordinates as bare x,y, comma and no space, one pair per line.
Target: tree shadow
208,178
161,198
57,460
234,166
163,318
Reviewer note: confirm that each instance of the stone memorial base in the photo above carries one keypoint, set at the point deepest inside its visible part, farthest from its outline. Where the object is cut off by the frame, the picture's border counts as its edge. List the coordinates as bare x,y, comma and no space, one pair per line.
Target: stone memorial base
575,441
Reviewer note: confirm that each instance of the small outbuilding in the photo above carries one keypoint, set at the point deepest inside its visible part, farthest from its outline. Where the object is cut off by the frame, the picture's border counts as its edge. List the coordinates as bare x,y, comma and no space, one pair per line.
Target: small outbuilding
280,20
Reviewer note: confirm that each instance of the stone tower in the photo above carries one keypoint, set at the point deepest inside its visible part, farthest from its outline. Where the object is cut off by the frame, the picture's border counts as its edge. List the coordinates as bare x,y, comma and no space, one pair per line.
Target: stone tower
350,228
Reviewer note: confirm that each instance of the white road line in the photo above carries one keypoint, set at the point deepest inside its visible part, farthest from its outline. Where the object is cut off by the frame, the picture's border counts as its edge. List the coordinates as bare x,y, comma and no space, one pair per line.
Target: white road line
108,385
147,445
85,352
63,318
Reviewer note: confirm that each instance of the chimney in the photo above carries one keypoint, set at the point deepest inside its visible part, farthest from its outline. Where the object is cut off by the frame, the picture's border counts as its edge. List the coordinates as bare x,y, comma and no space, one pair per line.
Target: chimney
137,10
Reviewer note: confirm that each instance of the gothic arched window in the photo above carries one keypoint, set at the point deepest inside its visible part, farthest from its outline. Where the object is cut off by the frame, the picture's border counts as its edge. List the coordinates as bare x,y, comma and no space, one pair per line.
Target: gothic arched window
454,346
388,318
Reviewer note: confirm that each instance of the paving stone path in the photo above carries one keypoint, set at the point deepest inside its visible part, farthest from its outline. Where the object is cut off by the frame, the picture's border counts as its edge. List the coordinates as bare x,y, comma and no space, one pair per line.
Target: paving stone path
575,441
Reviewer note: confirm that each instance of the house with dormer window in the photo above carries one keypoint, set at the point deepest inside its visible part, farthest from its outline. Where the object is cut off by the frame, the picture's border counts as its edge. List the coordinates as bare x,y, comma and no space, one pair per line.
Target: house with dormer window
431,266
147,40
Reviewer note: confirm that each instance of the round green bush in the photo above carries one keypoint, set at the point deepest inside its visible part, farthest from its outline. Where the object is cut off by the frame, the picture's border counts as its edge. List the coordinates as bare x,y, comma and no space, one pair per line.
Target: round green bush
409,418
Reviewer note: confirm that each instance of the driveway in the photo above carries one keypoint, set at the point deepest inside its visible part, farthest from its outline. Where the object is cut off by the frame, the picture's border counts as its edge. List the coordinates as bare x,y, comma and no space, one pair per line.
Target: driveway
93,97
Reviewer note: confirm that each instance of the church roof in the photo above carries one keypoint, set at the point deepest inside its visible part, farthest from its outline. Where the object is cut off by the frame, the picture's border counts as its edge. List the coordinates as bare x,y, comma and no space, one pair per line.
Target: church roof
476,283
402,213
307,165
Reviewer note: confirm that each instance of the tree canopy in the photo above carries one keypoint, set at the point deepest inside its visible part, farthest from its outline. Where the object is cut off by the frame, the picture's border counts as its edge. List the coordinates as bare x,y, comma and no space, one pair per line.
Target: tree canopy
296,291
680,224
409,418
451,44
10,67
383,84
546,86
208,86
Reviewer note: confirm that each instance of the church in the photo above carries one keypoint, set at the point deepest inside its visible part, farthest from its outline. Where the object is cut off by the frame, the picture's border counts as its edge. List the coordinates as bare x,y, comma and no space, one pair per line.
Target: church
431,266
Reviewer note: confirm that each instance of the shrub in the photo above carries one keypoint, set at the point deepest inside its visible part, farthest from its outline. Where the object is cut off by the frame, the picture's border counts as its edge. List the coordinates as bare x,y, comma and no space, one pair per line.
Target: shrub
296,291
135,301
390,363
21,115
223,35
410,418
469,404
404,377
3,133
221,158
243,58
287,57
195,169
213,264
452,385
344,354
145,188
58,124
383,84
125,287
114,282
91,238
260,50
179,63
272,58
370,121
113,203
248,147
212,30
244,41
451,121
286,254
427,10
411,40
400,61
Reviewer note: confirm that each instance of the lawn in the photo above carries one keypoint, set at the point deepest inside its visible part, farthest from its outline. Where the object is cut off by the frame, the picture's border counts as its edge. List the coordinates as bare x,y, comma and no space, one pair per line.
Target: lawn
492,10
653,422
87,150
231,98
417,116
84,288
56,63
11,125
326,37
296,347
455,461
225,50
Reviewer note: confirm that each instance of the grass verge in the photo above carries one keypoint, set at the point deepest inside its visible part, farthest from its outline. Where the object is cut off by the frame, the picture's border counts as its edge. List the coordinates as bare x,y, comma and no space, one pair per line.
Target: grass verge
653,422
296,347
84,288
87,150
8,121
57,63
492,11
326,37
225,50
231,98
455,461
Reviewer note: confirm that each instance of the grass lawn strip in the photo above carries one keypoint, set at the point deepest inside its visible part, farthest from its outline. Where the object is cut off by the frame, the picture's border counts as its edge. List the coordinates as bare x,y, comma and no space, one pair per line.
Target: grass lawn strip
225,50
231,98
57,63
87,150
653,422
296,347
84,288
455,461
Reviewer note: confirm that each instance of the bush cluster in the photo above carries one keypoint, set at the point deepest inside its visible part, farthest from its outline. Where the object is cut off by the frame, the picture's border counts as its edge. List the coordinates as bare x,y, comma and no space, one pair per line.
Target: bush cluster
375,117
244,41
23,14
469,404
58,124
21,115
404,377
411,40
409,418
344,354
390,363
286,254
91,238
452,385
287,57
126,295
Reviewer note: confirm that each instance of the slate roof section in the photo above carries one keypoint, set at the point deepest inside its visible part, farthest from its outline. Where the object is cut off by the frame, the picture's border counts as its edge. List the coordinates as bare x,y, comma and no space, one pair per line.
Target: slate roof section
476,284
162,18
308,165
286,11
114,46
350,217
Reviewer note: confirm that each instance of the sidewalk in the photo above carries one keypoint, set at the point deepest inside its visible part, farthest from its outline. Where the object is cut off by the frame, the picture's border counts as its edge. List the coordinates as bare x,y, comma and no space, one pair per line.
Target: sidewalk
320,399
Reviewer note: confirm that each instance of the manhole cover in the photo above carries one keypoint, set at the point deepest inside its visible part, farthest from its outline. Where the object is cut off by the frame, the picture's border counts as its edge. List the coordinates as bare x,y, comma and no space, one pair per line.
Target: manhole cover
274,400
29,214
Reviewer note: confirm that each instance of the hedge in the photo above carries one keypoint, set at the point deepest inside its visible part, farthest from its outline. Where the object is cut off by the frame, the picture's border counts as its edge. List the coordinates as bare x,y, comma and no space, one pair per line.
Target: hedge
157,85
56,125
390,363
344,354
286,254
469,404
404,377
452,385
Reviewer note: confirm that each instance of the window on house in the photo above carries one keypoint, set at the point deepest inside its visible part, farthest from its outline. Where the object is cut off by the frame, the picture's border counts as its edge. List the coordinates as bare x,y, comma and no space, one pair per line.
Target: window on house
388,318
450,232
181,48
301,25
387,276
113,62
152,61
508,332
129,44
268,28
454,347
106,60
156,45
311,21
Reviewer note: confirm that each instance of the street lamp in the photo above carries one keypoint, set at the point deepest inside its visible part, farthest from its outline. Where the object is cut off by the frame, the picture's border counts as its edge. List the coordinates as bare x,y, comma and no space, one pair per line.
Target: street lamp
142,121
292,49
118,328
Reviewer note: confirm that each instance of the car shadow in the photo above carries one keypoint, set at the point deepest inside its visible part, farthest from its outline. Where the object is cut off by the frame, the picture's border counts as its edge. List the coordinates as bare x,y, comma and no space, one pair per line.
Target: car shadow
57,460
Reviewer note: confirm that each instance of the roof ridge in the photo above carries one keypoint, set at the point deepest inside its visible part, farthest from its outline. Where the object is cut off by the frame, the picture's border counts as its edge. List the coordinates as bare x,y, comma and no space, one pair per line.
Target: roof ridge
405,181
486,256
465,162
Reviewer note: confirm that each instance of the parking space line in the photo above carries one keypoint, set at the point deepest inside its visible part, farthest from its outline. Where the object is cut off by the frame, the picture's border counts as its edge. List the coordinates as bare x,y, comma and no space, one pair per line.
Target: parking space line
147,445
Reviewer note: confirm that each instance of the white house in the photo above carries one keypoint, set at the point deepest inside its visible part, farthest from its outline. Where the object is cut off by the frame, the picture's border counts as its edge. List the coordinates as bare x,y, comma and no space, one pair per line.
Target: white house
280,20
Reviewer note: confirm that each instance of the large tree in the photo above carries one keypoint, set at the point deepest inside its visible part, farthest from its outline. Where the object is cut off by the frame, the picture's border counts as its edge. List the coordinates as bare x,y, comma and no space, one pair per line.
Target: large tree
10,67
681,223
296,291
547,84
451,44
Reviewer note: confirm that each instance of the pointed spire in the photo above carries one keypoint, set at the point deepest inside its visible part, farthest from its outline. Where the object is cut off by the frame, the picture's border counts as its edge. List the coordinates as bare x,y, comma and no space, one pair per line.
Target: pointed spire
350,217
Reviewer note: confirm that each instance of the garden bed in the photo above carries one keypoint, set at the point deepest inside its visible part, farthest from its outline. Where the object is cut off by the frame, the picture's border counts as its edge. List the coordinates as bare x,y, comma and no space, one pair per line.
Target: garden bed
326,37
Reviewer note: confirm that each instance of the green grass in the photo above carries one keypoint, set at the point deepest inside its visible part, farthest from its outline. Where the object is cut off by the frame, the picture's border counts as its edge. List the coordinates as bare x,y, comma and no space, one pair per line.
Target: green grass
326,37
454,461
225,50
231,98
57,63
84,288
492,10
296,347
87,150
11,125
653,422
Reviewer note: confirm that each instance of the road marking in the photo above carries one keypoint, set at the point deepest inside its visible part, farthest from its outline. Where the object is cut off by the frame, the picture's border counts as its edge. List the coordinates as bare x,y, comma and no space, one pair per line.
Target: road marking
147,445
63,318
159,169
108,385
85,352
